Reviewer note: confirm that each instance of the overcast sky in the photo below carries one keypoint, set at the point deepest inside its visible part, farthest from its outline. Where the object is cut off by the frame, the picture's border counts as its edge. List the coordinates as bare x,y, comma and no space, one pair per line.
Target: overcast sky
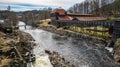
22,5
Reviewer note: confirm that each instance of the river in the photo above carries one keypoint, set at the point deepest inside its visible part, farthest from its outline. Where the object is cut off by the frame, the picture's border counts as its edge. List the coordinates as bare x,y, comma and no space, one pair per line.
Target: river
81,53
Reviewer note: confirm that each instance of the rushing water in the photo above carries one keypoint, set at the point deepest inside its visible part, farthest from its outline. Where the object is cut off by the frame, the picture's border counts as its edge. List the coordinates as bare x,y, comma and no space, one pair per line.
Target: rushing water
81,53
42,59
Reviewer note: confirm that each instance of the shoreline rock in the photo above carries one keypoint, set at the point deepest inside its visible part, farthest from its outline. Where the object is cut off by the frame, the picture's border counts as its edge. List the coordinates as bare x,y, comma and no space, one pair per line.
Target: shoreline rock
58,61
117,50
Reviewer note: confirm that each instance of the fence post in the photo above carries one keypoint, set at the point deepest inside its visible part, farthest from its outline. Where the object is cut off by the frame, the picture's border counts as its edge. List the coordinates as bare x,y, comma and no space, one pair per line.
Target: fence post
116,30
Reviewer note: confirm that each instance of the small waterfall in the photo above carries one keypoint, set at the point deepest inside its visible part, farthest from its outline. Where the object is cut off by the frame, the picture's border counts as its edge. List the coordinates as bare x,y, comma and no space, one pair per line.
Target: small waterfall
42,59
22,26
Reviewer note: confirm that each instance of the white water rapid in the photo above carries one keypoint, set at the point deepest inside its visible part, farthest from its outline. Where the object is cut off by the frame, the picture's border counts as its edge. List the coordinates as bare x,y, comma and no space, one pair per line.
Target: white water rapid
80,53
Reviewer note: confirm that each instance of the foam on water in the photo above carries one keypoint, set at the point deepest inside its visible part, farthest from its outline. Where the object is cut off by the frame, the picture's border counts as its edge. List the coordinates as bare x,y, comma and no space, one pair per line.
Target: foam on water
42,59
109,49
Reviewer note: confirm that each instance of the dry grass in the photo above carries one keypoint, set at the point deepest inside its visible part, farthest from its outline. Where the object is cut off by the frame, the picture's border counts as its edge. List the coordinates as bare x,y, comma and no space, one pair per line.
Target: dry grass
84,30
90,32
1,40
5,48
5,62
45,23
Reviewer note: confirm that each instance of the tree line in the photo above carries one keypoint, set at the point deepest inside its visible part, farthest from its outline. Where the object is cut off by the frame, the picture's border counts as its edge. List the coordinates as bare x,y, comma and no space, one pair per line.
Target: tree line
33,17
97,7
9,17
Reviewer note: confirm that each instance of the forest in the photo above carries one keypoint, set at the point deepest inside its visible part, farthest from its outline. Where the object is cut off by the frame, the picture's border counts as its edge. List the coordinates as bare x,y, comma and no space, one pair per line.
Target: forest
97,7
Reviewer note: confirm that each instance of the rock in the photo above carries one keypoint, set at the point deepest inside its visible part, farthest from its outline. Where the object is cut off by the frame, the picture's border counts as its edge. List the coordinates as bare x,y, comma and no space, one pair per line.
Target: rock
25,37
57,60
48,52
117,50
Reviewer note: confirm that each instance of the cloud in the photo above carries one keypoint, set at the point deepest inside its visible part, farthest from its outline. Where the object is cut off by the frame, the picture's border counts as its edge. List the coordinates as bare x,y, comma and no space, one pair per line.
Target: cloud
37,4
21,7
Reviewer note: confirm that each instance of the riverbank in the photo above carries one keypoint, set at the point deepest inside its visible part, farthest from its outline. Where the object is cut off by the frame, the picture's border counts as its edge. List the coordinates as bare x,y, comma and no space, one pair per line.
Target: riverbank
75,35
14,48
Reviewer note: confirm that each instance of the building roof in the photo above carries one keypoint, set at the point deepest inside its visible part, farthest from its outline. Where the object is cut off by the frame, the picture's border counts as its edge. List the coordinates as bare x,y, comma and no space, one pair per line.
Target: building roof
79,14
90,18
65,18
59,11
63,15
68,13
82,18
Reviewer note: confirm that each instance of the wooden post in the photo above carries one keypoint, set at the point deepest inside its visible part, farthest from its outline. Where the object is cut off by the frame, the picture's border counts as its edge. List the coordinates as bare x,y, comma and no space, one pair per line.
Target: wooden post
116,30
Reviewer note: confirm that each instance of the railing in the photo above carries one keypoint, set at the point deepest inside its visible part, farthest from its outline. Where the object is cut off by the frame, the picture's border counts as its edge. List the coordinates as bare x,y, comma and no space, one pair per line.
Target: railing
84,23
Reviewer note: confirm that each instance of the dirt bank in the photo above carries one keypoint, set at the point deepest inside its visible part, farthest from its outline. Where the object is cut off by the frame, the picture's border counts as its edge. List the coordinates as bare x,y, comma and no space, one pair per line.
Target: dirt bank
14,48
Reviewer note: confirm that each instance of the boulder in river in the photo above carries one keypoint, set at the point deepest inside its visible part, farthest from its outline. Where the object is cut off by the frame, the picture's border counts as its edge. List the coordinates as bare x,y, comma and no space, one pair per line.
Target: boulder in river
58,61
